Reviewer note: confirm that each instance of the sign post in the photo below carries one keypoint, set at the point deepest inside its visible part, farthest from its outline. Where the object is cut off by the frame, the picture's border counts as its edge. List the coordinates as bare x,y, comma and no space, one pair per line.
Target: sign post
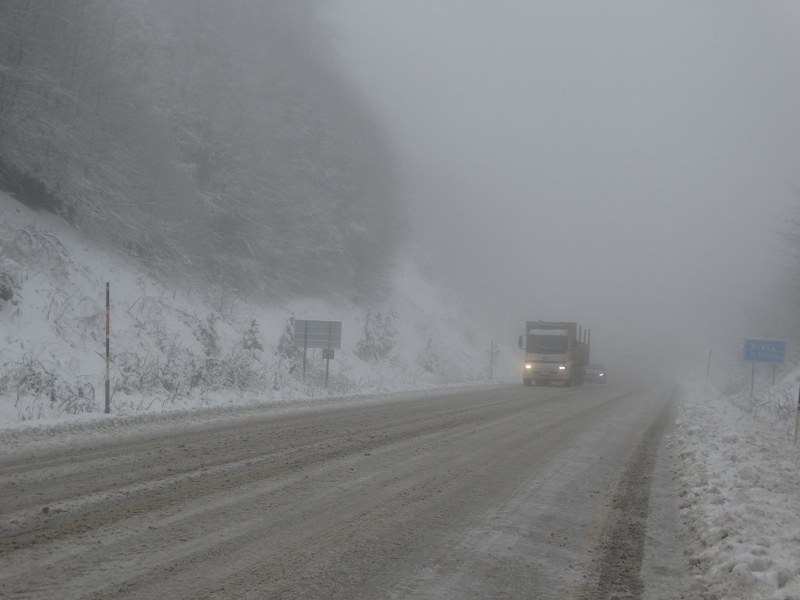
108,348
763,351
491,359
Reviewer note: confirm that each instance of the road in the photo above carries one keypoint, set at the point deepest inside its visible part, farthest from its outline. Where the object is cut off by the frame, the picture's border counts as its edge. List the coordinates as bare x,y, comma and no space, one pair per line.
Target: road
493,492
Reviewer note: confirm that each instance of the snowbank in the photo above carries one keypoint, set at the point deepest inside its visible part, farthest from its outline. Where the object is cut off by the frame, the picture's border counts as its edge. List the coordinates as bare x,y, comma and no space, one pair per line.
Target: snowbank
740,490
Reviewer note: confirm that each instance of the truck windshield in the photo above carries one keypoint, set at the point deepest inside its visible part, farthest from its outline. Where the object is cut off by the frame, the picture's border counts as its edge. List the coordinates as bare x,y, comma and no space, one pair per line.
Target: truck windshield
547,344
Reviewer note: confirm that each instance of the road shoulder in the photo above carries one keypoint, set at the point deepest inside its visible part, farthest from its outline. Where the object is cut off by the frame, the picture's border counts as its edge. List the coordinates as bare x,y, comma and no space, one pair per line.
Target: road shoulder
664,568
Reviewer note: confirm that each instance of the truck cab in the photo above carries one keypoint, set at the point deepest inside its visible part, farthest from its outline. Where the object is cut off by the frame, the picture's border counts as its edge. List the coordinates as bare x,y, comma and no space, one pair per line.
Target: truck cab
555,352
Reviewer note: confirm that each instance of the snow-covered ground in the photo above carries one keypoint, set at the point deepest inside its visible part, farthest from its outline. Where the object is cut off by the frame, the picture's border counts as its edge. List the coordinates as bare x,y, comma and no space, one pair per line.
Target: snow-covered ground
738,469
736,463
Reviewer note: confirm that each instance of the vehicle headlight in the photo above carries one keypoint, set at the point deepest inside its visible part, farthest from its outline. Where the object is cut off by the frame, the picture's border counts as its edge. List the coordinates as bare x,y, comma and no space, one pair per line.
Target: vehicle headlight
562,367
528,366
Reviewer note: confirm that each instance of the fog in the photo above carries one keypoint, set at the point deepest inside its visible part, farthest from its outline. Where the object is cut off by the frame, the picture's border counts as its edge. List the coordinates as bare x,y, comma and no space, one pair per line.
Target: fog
625,164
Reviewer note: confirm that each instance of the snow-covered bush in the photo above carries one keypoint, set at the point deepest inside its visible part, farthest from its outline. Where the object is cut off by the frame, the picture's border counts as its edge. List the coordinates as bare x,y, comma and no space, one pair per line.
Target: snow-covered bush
429,359
35,385
288,358
6,288
19,244
379,336
251,339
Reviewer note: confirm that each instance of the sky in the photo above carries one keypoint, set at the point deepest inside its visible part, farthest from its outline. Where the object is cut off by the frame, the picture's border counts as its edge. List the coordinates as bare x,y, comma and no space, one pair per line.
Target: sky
625,164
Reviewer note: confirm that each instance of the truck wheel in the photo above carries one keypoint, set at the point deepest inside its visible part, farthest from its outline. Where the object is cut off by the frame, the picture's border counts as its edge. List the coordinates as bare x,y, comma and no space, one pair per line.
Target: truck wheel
527,382
568,382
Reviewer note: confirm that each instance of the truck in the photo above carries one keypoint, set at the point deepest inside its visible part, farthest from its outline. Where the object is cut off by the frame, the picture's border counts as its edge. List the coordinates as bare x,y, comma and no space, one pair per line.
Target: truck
555,352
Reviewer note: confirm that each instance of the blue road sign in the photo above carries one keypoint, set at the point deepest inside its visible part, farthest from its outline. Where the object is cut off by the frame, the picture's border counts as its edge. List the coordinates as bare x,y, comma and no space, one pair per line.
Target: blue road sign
765,351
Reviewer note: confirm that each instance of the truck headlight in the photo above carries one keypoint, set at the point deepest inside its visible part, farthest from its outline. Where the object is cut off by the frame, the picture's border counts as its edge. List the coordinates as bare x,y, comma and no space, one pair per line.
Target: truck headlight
562,367
528,366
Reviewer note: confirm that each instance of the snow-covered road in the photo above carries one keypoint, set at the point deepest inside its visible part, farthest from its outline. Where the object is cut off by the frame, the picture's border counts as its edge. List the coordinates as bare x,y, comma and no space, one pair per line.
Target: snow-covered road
227,502
496,492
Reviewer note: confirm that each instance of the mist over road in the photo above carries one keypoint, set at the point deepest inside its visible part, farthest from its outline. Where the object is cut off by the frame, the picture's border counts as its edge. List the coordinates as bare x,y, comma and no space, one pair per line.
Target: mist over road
501,491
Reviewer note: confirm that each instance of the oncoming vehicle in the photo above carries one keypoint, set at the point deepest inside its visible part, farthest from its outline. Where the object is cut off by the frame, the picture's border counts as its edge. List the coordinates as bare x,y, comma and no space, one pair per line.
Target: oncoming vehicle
555,352
595,372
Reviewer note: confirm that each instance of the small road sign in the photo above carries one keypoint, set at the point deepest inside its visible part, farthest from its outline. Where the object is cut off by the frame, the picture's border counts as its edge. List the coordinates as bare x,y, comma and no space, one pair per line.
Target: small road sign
765,351
318,334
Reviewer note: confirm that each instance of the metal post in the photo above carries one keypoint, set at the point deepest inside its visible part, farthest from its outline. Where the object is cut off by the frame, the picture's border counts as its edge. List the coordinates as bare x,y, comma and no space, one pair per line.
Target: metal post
752,379
491,359
797,418
108,348
708,370
327,354
305,349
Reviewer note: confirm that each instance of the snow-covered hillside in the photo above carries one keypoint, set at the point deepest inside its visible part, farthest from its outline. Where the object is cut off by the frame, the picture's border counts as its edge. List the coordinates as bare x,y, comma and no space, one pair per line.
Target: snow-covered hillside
174,348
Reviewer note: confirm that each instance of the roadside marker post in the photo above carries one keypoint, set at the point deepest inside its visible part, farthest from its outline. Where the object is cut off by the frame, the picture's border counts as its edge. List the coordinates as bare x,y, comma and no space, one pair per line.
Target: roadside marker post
797,418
